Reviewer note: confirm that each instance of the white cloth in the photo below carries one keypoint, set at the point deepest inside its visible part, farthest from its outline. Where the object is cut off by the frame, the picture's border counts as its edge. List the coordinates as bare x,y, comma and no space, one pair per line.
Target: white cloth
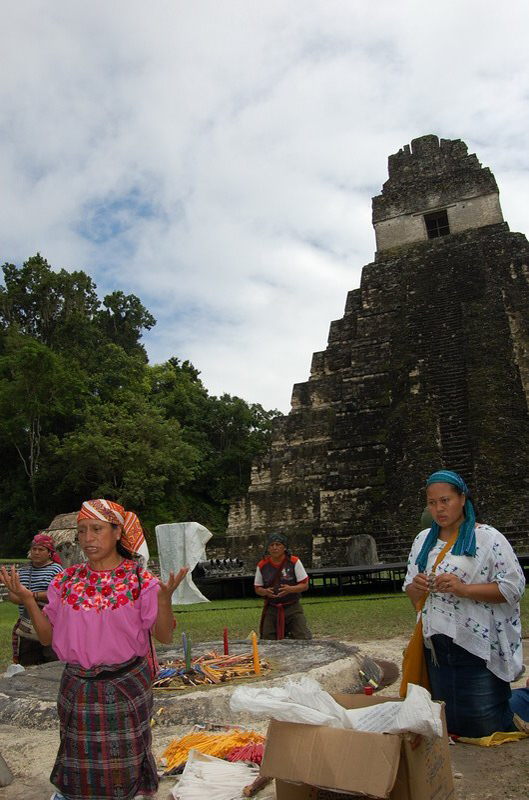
491,631
182,544
207,776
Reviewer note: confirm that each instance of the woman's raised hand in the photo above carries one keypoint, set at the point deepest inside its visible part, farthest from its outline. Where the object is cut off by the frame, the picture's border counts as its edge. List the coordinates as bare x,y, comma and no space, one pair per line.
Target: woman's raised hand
173,581
11,581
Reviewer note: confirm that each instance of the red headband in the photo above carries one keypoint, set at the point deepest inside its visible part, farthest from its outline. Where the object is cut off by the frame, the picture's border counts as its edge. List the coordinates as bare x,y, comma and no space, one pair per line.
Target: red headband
46,541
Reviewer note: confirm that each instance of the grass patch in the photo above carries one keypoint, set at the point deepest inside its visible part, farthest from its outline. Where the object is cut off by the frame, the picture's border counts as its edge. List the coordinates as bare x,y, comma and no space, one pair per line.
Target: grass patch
352,617
8,617
371,617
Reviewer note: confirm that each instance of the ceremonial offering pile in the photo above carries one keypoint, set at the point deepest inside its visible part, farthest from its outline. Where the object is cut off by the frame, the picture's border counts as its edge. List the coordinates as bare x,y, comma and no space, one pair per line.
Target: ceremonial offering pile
210,669
232,745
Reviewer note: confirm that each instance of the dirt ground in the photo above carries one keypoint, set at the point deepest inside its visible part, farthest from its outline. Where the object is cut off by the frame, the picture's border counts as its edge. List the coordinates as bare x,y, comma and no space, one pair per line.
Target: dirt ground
480,773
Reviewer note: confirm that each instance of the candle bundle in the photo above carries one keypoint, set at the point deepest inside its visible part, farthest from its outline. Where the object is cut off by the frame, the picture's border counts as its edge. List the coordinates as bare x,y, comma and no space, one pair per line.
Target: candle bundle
188,655
255,653
219,745
249,752
211,668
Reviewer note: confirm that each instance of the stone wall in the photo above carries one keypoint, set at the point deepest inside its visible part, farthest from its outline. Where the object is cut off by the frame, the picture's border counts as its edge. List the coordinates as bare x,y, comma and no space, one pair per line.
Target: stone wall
472,212
428,367
428,176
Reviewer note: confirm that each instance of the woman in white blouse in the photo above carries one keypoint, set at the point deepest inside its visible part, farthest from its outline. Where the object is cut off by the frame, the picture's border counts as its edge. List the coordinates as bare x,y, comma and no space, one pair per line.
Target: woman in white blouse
471,614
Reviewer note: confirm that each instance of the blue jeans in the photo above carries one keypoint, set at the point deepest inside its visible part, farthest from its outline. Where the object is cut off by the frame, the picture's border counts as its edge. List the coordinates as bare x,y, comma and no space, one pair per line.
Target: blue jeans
477,702
520,703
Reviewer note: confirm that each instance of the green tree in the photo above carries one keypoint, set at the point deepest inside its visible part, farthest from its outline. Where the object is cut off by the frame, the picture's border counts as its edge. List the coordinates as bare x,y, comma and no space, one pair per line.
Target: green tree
114,375
123,319
127,454
176,388
239,432
228,432
39,393
62,310
53,307
82,413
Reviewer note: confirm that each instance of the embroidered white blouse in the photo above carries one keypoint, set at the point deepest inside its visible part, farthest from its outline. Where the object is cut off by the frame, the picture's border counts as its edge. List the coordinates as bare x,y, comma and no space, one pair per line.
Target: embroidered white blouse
491,631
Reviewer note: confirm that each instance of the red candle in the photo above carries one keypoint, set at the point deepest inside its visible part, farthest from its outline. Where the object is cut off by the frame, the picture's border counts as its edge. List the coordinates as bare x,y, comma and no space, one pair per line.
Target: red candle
226,649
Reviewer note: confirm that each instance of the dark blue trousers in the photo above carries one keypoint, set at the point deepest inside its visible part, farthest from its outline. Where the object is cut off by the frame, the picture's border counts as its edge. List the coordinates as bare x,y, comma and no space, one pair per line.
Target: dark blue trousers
520,703
477,702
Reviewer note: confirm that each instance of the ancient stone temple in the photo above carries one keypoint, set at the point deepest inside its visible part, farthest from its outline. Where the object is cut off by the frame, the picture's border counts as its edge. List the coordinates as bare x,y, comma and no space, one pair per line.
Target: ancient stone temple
427,368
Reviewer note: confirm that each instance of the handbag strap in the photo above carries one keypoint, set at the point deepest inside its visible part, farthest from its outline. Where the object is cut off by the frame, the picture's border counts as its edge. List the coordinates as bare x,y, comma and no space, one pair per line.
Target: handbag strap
279,572
448,546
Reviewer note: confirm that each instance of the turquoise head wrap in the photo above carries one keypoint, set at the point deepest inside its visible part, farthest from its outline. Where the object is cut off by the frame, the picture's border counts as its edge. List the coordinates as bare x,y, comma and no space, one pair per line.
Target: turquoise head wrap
465,543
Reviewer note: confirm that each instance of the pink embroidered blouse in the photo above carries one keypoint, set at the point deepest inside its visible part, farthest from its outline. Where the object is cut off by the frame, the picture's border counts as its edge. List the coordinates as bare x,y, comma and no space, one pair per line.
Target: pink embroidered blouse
102,617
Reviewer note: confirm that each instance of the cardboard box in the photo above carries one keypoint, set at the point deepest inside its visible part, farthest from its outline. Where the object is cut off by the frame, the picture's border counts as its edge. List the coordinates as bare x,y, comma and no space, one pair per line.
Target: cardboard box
314,762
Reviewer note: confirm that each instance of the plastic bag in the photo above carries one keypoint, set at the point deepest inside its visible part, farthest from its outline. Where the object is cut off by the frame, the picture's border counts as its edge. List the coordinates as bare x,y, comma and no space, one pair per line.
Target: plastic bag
306,702
13,669
296,701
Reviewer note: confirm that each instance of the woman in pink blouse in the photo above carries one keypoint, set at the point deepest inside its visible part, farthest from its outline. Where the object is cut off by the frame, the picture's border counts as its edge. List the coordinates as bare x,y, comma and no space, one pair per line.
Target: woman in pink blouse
99,619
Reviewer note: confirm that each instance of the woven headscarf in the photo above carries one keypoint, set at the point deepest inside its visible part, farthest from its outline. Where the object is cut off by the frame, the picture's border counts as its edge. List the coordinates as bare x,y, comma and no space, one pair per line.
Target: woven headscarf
465,543
132,537
276,537
43,540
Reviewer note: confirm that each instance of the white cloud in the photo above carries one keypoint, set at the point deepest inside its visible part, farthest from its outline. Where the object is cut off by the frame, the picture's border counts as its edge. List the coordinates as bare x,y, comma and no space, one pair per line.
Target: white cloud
219,159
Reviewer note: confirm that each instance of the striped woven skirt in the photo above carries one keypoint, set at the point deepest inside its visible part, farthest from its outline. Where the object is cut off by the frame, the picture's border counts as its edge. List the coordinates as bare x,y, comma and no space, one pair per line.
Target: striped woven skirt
105,750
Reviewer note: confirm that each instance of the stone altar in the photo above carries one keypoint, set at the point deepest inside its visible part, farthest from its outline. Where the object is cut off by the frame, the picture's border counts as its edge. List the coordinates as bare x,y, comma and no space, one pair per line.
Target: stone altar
29,699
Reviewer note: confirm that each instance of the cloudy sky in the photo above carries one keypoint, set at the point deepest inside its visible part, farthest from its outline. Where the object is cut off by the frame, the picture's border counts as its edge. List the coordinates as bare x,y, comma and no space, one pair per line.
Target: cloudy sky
218,159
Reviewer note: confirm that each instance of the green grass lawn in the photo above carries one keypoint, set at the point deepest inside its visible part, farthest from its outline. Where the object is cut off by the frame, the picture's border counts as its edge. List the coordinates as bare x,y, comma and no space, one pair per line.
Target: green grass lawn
8,615
377,617
351,617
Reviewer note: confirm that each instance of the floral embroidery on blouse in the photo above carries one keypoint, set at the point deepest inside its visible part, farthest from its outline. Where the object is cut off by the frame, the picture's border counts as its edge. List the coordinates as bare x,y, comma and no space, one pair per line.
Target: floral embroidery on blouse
90,590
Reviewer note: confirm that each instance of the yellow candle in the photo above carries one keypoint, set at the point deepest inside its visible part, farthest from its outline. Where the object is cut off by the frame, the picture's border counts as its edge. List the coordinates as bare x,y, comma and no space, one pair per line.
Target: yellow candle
256,665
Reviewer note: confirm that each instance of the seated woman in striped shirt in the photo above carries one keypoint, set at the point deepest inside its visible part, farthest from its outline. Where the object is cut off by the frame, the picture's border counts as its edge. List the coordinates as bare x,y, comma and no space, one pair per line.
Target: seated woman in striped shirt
36,576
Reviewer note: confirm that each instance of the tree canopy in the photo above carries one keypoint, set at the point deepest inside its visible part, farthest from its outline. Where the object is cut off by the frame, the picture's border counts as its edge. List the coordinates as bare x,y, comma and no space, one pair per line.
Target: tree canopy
83,414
